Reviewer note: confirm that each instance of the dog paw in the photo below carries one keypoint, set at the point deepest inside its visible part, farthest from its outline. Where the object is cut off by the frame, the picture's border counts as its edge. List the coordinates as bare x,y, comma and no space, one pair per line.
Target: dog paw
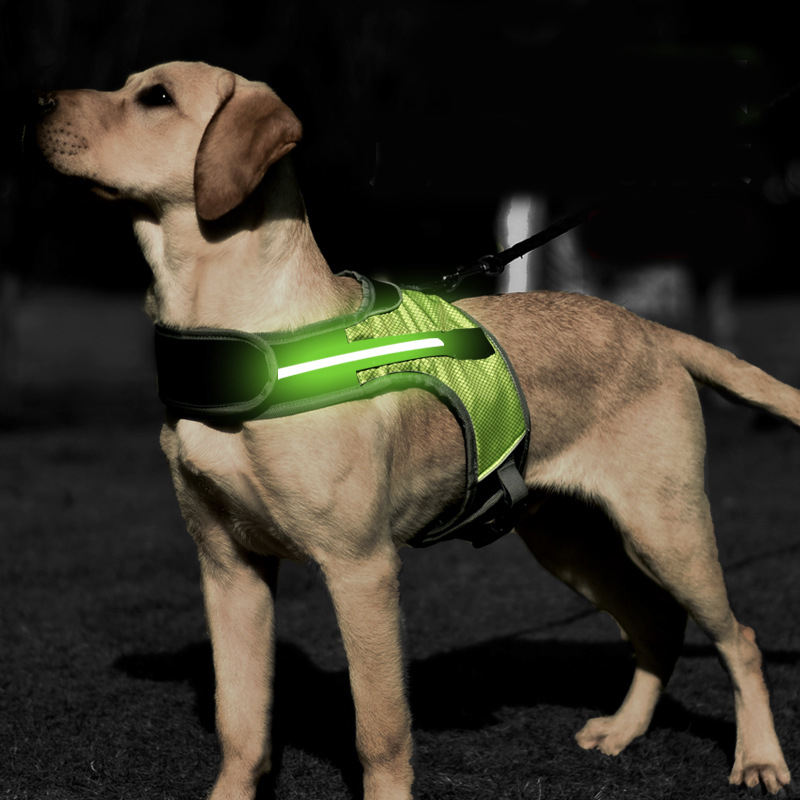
609,735
773,777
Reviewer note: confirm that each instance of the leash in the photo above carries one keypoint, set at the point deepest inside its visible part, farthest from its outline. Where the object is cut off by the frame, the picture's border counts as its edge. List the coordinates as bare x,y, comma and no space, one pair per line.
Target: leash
493,264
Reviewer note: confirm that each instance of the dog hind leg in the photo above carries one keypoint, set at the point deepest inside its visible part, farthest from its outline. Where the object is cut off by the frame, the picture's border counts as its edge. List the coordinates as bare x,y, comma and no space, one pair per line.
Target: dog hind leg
683,558
656,498
579,545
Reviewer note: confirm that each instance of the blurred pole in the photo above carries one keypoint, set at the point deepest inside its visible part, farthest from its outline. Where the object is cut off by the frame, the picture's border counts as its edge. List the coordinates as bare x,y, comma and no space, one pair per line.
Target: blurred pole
519,216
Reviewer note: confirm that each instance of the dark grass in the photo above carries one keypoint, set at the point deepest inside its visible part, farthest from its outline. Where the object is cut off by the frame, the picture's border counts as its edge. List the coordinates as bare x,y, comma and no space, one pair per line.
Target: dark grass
106,685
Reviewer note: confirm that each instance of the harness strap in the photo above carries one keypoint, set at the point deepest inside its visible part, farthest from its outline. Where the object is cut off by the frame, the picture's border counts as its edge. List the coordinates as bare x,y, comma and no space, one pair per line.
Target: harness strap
491,513
233,375
513,484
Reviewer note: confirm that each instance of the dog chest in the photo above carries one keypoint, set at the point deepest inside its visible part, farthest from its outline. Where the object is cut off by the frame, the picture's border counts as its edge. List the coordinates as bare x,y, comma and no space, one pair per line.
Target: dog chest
286,487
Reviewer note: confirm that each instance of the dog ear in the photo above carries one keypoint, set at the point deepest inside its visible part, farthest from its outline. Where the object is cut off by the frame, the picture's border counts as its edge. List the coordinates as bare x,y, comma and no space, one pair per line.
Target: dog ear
250,130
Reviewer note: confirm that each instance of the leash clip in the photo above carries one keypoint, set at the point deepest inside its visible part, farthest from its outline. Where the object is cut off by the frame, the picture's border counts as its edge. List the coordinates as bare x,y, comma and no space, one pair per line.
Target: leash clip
452,281
491,265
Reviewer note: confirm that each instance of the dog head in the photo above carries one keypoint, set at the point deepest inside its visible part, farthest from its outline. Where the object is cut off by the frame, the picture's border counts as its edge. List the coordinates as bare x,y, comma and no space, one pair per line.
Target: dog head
178,133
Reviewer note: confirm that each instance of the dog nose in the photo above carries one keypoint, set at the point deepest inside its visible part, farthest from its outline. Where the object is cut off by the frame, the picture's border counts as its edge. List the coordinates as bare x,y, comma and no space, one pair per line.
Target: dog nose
46,103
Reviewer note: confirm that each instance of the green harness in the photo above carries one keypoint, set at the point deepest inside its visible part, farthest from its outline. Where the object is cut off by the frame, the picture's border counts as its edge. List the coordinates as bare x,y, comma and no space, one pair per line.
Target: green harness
398,339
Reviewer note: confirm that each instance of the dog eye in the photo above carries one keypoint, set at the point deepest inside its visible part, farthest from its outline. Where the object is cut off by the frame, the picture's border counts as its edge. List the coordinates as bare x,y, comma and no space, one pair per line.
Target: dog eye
155,96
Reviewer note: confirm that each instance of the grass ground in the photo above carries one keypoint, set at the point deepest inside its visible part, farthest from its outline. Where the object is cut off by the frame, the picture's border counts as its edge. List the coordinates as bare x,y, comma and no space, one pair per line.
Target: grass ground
106,682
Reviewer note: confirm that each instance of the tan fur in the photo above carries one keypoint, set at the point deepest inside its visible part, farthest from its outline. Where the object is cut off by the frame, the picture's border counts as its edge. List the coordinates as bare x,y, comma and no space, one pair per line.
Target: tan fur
616,421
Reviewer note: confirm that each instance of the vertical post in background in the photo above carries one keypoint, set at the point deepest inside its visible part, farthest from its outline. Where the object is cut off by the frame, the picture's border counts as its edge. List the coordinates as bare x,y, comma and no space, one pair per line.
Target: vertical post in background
519,216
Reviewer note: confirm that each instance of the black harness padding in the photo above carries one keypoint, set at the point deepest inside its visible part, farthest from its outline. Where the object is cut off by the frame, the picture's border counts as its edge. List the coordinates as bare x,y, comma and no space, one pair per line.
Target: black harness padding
205,376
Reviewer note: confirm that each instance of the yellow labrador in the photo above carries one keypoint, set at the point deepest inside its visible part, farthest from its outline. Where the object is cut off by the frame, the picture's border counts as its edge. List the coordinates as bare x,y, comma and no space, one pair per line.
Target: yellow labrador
198,153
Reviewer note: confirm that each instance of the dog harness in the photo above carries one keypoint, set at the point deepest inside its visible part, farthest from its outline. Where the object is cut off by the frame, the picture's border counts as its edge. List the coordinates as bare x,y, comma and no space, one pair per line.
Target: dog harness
397,339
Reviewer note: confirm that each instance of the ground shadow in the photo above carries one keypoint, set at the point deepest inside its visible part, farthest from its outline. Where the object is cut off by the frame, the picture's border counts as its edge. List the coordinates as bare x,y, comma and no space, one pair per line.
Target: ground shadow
461,689
192,664
312,707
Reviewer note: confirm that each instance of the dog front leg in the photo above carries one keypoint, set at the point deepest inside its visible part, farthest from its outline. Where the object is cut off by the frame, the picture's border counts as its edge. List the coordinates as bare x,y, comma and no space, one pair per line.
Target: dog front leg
239,599
365,596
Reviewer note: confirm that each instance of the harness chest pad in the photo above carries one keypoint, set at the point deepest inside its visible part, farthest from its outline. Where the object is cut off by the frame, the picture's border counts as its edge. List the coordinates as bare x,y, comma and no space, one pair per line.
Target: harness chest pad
397,339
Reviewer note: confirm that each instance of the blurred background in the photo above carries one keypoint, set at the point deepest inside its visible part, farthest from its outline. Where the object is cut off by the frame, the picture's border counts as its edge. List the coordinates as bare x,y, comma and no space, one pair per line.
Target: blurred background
422,118
436,132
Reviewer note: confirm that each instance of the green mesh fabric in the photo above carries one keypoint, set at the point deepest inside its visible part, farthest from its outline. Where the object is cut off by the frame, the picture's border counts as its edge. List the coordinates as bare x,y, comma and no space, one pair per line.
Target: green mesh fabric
485,386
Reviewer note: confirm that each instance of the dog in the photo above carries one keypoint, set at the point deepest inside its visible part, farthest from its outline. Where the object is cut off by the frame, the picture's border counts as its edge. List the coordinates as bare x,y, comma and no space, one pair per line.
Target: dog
199,155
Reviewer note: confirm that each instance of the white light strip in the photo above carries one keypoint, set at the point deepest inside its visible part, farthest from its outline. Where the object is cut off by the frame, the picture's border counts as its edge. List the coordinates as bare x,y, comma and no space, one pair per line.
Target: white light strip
358,355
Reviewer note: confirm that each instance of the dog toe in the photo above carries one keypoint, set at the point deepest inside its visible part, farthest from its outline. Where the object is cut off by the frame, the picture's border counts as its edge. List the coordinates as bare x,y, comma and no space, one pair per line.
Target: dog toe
609,735
775,780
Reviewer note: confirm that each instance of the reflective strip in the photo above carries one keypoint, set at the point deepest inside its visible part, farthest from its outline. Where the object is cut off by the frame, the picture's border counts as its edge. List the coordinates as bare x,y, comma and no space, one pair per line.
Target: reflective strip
358,355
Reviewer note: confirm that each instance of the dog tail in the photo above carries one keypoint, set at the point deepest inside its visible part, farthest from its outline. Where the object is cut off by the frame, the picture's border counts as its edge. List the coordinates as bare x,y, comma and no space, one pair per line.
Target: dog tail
734,378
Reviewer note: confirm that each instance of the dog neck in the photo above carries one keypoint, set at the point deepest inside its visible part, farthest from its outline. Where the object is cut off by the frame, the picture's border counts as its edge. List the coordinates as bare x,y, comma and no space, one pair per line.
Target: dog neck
258,269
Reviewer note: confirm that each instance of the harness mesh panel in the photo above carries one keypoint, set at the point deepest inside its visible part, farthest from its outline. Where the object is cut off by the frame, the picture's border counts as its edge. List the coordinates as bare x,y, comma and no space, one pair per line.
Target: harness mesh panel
485,386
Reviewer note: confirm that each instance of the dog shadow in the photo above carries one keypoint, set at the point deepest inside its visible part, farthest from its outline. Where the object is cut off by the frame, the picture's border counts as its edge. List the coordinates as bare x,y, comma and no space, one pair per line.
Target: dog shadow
461,689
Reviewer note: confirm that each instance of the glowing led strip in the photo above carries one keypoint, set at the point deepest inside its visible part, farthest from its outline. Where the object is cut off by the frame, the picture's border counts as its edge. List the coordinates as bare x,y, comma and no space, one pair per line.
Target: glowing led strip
358,355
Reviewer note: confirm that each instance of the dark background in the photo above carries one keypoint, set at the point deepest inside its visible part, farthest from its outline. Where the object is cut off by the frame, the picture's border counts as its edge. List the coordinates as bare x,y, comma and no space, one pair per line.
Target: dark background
419,115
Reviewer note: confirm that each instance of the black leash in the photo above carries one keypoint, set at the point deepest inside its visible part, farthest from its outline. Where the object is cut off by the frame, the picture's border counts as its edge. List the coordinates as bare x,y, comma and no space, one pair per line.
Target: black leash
493,264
